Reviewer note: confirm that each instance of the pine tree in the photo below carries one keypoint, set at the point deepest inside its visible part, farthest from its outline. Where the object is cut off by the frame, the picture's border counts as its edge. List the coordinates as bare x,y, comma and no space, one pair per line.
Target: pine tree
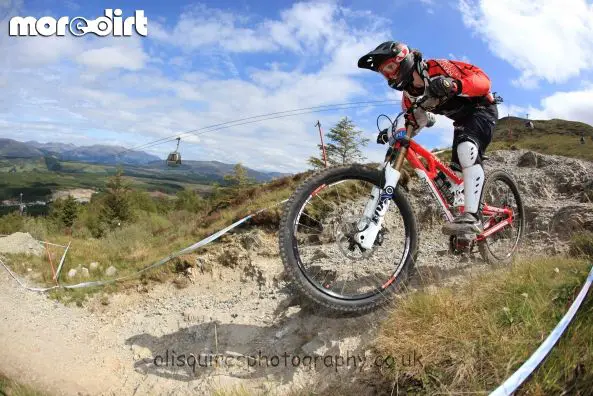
117,207
69,212
239,176
317,163
344,146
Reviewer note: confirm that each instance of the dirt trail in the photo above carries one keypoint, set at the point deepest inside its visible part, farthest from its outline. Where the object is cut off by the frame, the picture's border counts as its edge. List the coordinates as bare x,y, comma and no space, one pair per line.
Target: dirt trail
111,349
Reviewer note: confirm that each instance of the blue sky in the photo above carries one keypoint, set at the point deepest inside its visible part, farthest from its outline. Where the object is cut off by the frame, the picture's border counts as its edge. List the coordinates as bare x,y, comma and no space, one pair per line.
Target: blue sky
212,62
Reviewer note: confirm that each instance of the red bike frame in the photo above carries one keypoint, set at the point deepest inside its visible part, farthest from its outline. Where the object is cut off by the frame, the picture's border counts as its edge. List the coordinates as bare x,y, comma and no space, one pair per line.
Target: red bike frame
413,154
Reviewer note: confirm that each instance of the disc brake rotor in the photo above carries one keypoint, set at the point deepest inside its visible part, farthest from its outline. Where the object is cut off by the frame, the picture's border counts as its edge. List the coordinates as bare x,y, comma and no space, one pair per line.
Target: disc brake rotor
351,249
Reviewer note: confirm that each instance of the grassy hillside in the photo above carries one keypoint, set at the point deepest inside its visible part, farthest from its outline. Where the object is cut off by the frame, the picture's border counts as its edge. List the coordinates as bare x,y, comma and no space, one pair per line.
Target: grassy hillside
153,228
472,338
559,137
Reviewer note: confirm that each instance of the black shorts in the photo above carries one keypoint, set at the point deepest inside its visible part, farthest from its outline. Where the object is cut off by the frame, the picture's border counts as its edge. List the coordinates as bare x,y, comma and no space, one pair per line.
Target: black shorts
477,128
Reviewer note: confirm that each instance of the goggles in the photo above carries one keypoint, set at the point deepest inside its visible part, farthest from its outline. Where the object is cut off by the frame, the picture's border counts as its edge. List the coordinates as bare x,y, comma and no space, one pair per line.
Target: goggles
389,69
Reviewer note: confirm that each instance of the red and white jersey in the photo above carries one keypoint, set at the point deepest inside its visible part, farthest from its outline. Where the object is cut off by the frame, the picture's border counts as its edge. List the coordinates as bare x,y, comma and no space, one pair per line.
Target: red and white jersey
474,85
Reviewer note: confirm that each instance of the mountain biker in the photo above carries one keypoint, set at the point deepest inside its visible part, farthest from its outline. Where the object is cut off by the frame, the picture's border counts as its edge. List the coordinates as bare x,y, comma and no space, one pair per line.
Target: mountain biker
461,92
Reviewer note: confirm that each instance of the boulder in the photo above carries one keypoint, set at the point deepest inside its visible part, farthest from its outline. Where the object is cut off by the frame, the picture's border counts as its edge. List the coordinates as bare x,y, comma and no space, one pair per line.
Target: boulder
111,271
528,160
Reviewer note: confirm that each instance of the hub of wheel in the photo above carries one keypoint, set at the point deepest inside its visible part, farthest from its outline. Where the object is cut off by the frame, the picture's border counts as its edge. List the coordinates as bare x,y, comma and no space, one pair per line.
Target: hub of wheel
345,237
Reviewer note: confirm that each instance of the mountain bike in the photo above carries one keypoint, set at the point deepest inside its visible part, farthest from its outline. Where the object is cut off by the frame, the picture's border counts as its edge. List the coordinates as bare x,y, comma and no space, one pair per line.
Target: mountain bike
349,235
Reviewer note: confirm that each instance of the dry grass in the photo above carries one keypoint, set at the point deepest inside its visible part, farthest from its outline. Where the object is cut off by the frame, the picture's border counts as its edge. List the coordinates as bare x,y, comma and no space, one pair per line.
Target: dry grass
9,387
473,338
581,245
151,237
559,137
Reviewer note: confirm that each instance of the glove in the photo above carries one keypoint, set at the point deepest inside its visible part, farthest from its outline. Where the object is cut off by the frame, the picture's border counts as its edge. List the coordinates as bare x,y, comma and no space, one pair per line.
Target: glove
443,87
383,136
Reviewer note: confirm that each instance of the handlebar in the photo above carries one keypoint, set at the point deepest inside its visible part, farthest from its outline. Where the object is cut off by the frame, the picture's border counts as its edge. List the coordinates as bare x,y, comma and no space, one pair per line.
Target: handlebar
397,158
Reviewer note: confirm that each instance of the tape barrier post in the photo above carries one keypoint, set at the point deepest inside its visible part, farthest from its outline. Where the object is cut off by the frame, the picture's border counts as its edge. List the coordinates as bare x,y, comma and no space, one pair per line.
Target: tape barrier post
57,277
515,380
53,270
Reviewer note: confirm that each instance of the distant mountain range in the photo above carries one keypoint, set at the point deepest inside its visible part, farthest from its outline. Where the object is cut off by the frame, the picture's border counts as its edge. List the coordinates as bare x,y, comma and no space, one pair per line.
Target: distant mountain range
138,161
98,154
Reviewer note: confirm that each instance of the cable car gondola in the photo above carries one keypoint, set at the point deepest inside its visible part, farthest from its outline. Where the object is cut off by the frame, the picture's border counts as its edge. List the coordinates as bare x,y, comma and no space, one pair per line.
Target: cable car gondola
174,158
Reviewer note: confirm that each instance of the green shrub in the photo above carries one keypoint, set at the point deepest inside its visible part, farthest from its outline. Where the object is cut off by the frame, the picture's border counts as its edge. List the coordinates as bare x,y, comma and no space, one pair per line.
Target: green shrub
155,223
39,227
11,223
89,222
190,201
120,242
164,205
141,200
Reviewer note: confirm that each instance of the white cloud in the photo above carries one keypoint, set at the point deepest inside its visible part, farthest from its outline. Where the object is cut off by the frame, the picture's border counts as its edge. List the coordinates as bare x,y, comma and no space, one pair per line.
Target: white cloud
551,40
124,56
527,80
575,105
201,26
305,28
37,51
101,90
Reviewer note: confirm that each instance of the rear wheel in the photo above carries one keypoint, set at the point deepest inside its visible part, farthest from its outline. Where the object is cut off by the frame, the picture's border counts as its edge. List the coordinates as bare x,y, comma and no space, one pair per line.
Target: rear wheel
320,254
501,191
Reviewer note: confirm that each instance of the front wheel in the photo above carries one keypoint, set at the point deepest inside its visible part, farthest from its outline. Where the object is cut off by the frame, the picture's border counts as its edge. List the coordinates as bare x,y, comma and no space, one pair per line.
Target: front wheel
319,251
501,193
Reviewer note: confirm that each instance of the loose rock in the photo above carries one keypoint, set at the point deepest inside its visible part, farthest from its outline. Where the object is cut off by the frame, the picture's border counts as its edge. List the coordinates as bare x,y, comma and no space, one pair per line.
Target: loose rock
111,271
529,159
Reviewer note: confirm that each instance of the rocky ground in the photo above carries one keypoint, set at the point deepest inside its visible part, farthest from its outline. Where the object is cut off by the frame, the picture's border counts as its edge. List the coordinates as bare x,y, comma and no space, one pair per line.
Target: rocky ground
232,300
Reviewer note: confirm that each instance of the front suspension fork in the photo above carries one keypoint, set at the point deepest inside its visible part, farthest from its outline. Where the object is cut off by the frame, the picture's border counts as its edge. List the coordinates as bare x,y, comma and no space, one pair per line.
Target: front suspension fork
378,204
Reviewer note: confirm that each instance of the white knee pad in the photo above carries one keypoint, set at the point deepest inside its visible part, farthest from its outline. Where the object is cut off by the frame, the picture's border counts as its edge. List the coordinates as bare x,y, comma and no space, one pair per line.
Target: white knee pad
467,152
473,175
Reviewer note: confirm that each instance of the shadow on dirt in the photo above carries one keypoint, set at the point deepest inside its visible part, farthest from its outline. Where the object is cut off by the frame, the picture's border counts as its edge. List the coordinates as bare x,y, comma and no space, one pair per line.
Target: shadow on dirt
301,332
